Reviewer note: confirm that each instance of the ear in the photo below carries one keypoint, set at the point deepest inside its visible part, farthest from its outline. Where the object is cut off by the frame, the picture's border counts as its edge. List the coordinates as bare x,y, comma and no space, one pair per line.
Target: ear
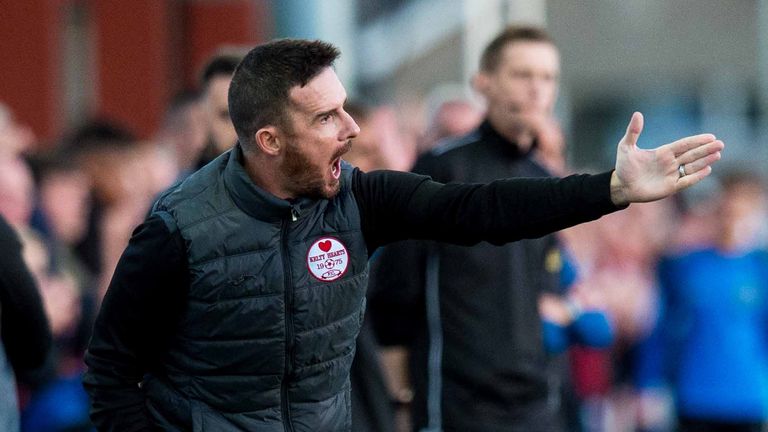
268,141
480,83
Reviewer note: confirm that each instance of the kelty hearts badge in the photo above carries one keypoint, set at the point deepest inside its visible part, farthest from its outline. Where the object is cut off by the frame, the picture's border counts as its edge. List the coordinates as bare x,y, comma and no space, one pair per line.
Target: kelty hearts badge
327,259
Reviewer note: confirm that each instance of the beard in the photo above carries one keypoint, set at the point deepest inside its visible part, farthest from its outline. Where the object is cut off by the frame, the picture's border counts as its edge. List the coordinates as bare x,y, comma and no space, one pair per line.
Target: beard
306,179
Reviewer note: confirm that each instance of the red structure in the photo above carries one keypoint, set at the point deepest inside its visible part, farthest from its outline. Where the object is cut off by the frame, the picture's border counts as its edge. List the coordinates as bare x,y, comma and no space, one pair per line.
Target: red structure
139,52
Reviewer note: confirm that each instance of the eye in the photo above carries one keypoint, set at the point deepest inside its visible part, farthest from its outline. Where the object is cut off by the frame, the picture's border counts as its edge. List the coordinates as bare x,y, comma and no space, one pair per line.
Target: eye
522,74
551,77
325,118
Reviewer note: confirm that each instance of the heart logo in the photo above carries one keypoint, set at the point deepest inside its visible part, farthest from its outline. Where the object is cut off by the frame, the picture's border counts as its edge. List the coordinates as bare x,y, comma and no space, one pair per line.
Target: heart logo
327,259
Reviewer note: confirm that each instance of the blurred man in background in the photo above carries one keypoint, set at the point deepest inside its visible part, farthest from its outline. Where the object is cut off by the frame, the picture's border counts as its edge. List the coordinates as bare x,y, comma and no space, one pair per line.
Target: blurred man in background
477,360
450,114
214,85
26,336
183,133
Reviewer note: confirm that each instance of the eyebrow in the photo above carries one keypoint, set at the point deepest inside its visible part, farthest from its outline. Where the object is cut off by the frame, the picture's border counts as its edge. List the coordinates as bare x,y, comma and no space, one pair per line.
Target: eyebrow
326,112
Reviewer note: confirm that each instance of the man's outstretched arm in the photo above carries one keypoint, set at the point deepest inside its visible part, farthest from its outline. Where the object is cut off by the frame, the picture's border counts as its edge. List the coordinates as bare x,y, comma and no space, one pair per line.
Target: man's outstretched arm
133,326
396,206
650,175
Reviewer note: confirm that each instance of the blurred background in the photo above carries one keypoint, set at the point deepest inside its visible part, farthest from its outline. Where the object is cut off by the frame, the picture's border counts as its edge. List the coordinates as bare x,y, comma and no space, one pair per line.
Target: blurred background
689,65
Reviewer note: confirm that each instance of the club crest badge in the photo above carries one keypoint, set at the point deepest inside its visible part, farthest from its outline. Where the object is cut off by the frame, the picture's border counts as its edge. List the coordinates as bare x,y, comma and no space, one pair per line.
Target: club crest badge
327,259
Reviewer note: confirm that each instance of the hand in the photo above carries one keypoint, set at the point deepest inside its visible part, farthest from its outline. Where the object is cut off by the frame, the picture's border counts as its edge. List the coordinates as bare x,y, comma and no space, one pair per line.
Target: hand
649,175
523,127
556,309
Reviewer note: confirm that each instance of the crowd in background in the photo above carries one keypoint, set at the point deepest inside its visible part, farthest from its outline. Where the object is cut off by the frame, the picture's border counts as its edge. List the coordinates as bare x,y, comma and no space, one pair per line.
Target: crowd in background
75,205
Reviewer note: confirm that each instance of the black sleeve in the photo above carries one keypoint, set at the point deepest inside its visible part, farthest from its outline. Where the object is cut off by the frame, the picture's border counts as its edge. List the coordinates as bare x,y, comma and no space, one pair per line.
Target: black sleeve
396,205
136,319
26,335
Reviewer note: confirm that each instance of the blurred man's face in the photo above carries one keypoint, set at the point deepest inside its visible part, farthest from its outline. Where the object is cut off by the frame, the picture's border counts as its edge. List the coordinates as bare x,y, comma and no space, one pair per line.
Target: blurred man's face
741,216
65,198
15,138
456,118
222,132
17,191
525,80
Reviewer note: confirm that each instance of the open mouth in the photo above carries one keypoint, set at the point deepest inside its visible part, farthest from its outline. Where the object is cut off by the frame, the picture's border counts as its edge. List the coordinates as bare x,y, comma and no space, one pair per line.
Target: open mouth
336,168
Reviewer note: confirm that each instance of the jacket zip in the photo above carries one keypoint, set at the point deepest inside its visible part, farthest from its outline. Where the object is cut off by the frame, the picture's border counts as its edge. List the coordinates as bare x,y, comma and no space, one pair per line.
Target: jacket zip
288,371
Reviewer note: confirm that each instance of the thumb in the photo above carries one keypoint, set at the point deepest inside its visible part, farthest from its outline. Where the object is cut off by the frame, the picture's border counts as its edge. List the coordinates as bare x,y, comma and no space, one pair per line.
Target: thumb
634,129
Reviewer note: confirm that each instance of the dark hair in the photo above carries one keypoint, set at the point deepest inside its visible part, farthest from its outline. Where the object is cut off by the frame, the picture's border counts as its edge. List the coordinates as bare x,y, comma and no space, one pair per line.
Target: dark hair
219,64
492,53
96,135
173,118
52,162
259,90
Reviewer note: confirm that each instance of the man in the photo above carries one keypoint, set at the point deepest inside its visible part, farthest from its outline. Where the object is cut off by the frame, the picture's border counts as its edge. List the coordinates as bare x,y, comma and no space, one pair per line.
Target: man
214,83
469,315
372,407
452,117
24,326
184,133
237,302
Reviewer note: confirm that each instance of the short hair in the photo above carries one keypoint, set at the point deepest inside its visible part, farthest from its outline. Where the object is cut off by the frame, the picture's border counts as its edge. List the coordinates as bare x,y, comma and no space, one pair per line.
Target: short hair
173,118
491,57
220,64
97,135
52,162
259,92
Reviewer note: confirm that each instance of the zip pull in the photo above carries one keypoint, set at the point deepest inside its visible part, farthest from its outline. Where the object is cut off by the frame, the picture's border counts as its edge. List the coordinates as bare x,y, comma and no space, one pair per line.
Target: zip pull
294,214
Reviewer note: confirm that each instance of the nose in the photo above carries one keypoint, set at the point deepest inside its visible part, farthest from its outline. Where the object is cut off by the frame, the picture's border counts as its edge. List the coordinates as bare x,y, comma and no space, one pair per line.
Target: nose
350,129
536,86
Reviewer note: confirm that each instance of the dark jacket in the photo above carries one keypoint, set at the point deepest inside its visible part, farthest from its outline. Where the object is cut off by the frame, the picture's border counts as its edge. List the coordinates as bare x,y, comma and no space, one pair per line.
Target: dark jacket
219,309
26,335
250,382
470,314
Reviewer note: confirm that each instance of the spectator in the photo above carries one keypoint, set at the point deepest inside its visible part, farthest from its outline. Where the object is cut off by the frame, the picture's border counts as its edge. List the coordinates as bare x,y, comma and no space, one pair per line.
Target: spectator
450,115
26,337
477,353
184,131
372,400
15,138
214,85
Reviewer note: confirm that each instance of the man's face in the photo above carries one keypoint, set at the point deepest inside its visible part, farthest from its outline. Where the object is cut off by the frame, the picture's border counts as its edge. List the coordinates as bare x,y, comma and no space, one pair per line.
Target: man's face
742,211
222,132
524,82
318,134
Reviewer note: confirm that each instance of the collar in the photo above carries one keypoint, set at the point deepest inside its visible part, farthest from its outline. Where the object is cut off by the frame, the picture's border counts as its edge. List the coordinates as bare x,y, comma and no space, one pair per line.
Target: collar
254,200
505,146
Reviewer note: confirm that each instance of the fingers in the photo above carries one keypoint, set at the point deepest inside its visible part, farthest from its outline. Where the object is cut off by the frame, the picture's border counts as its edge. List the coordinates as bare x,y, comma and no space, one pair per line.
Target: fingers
686,144
700,151
634,128
699,157
700,164
691,179
697,163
